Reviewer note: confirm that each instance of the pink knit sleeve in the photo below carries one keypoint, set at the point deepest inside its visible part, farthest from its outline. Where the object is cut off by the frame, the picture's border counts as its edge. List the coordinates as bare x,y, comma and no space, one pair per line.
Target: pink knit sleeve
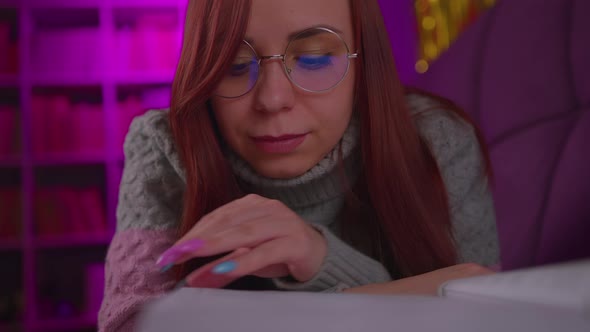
132,277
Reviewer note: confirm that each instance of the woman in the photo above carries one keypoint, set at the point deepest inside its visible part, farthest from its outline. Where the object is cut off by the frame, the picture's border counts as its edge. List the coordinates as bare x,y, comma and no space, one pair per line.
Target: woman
293,159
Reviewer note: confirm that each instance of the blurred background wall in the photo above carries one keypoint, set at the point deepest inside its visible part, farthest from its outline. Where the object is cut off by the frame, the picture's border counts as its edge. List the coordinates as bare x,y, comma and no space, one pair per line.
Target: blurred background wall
73,73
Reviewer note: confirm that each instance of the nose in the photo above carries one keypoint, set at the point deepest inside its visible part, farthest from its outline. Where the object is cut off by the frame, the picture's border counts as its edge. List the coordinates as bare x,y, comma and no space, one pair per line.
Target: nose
274,91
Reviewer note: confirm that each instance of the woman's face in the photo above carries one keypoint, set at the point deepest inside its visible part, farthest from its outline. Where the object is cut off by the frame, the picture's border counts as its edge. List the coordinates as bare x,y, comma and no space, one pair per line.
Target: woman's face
281,130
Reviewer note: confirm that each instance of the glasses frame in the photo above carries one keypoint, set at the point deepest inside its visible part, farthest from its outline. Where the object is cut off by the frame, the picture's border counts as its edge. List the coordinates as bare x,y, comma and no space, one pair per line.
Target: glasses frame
281,57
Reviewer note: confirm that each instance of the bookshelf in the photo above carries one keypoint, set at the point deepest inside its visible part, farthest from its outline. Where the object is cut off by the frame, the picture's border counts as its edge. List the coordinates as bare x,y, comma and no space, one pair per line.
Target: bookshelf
76,73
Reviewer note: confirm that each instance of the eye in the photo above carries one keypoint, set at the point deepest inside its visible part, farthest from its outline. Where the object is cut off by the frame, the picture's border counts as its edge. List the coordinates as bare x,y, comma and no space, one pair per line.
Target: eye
313,61
240,68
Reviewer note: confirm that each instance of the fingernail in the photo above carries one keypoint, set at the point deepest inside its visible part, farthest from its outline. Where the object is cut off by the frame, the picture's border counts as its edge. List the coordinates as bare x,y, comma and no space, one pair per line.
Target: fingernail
190,245
224,267
166,268
168,258
171,255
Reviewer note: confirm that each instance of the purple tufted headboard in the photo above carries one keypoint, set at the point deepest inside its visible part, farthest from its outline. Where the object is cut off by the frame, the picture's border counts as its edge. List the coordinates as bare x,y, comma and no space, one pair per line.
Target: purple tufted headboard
523,73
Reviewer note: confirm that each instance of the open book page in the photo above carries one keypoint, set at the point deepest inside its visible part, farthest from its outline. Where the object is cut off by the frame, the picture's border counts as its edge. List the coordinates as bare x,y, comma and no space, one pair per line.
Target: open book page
565,285
214,310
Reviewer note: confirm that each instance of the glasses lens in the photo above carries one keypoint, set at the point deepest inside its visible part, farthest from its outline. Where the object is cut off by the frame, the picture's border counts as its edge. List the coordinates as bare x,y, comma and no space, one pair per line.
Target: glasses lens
317,60
242,75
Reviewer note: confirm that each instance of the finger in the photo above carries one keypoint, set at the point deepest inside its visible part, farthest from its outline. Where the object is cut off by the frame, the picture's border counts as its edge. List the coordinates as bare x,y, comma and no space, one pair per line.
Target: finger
232,213
263,257
204,277
273,271
469,270
185,248
248,235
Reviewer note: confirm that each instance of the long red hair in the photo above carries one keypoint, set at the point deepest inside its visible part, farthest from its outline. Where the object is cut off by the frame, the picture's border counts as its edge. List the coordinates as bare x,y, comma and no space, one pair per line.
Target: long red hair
400,197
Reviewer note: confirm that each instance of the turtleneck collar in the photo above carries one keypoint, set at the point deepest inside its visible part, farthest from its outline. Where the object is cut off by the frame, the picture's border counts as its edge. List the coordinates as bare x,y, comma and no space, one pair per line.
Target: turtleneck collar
321,184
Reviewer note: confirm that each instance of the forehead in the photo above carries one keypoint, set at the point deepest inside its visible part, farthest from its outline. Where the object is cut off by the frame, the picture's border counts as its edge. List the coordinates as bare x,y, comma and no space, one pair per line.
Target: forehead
273,21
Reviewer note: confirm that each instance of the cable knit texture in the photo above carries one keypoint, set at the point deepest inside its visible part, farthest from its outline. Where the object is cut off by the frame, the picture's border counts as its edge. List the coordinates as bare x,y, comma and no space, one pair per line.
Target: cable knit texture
132,277
458,154
153,183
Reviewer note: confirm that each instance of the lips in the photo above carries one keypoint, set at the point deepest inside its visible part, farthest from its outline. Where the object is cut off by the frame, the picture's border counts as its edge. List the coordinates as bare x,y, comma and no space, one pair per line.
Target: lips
279,144
277,139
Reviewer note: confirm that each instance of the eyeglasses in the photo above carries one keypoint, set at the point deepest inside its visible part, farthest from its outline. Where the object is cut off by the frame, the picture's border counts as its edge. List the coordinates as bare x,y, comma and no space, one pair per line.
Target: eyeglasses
315,60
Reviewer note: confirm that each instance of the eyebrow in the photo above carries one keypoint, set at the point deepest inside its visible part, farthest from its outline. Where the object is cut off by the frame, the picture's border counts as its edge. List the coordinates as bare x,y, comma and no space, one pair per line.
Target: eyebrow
298,34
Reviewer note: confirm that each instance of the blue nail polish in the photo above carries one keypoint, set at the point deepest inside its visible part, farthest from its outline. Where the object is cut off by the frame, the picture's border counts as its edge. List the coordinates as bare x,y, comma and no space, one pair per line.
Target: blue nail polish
224,267
166,268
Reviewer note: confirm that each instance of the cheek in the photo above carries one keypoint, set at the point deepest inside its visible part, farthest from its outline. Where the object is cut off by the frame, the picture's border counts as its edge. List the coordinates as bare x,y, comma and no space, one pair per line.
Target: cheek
227,118
345,92
341,110
223,122
338,109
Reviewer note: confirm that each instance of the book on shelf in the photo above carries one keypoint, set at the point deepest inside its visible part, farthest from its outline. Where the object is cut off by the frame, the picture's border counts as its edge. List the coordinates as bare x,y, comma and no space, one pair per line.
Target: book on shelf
62,126
134,43
94,214
9,47
48,215
8,130
127,109
63,210
138,103
10,213
72,51
72,219
90,127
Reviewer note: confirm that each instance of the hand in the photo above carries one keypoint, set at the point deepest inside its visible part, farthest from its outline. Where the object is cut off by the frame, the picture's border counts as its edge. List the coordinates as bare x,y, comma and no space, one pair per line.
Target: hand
262,236
424,284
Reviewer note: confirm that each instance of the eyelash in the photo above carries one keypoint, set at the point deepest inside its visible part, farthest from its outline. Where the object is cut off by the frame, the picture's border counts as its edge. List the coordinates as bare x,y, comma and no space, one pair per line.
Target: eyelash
318,61
303,61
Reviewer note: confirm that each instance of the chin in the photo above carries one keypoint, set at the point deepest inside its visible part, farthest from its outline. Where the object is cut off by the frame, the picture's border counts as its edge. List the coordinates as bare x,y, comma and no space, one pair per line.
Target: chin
281,171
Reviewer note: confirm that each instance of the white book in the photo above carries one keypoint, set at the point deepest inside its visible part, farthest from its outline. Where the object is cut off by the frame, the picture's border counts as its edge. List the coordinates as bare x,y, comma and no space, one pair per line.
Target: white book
565,286
535,300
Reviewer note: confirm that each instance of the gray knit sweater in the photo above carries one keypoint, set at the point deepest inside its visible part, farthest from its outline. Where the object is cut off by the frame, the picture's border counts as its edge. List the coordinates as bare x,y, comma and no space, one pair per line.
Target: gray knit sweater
153,184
